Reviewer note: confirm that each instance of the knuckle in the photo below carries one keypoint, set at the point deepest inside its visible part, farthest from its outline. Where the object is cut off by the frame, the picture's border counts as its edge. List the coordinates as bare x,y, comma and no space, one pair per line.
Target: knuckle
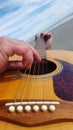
27,48
3,38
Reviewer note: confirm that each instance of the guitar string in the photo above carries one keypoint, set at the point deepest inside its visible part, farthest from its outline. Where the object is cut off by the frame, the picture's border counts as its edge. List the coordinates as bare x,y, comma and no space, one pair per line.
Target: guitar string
47,72
43,56
22,93
29,91
18,88
37,79
23,89
36,86
17,91
45,63
43,67
48,85
37,83
24,86
42,84
33,73
48,80
30,88
37,94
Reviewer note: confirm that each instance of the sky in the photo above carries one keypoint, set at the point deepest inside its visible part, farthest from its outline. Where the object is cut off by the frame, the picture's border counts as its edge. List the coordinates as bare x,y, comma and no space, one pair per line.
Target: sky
23,19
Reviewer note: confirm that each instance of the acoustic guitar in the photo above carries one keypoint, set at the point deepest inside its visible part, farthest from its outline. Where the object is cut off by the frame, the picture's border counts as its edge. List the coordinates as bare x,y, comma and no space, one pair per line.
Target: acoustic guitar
39,98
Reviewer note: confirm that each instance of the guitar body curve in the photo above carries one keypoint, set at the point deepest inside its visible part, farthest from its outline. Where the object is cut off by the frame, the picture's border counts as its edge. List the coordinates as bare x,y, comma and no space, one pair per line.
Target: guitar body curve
8,88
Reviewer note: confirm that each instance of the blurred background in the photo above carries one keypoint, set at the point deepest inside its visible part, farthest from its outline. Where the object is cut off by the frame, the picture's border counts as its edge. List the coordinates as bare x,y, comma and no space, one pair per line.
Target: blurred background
20,19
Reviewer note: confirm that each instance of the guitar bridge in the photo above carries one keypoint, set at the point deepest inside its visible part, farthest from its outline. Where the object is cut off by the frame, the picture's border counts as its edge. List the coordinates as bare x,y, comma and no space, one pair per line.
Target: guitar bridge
35,113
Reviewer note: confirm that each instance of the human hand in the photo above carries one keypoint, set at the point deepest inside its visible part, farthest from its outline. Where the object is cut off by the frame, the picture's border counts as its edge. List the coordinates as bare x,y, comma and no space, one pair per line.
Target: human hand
9,47
48,38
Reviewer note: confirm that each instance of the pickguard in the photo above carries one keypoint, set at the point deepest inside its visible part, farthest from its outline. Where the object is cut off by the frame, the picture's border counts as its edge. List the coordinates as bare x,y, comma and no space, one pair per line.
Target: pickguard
63,82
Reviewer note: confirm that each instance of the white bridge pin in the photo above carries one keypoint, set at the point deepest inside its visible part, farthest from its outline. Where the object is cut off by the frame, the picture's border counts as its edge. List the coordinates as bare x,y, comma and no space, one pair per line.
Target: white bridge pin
44,108
35,108
27,108
52,108
11,109
19,108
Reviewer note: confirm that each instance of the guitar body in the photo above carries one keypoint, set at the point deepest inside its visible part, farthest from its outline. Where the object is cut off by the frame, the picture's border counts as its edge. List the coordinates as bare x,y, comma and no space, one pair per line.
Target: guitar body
53,86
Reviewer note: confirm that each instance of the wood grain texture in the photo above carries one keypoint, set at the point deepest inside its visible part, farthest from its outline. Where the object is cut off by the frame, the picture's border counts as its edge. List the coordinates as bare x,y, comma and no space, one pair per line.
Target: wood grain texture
8,87
63,112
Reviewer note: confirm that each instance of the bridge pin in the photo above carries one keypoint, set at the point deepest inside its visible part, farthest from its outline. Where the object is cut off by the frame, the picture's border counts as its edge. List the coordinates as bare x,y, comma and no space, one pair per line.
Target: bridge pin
36,108
27,108
44,108
52,108
19,108
11,109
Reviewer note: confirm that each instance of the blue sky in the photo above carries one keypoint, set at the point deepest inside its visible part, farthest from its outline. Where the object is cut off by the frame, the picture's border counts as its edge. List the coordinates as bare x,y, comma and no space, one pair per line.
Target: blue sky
20,19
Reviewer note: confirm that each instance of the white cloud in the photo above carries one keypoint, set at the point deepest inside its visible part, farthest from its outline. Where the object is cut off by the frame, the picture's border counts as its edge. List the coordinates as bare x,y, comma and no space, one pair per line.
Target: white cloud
26,18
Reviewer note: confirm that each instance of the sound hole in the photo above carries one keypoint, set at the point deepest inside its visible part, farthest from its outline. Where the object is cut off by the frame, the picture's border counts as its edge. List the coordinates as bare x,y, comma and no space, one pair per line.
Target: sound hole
44,67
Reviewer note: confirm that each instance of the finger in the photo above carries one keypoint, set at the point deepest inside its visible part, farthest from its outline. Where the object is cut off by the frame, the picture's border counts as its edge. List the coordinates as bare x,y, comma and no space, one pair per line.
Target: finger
27,52
15,65
45,33
29,64
36,54
28,59
23,48
36,37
